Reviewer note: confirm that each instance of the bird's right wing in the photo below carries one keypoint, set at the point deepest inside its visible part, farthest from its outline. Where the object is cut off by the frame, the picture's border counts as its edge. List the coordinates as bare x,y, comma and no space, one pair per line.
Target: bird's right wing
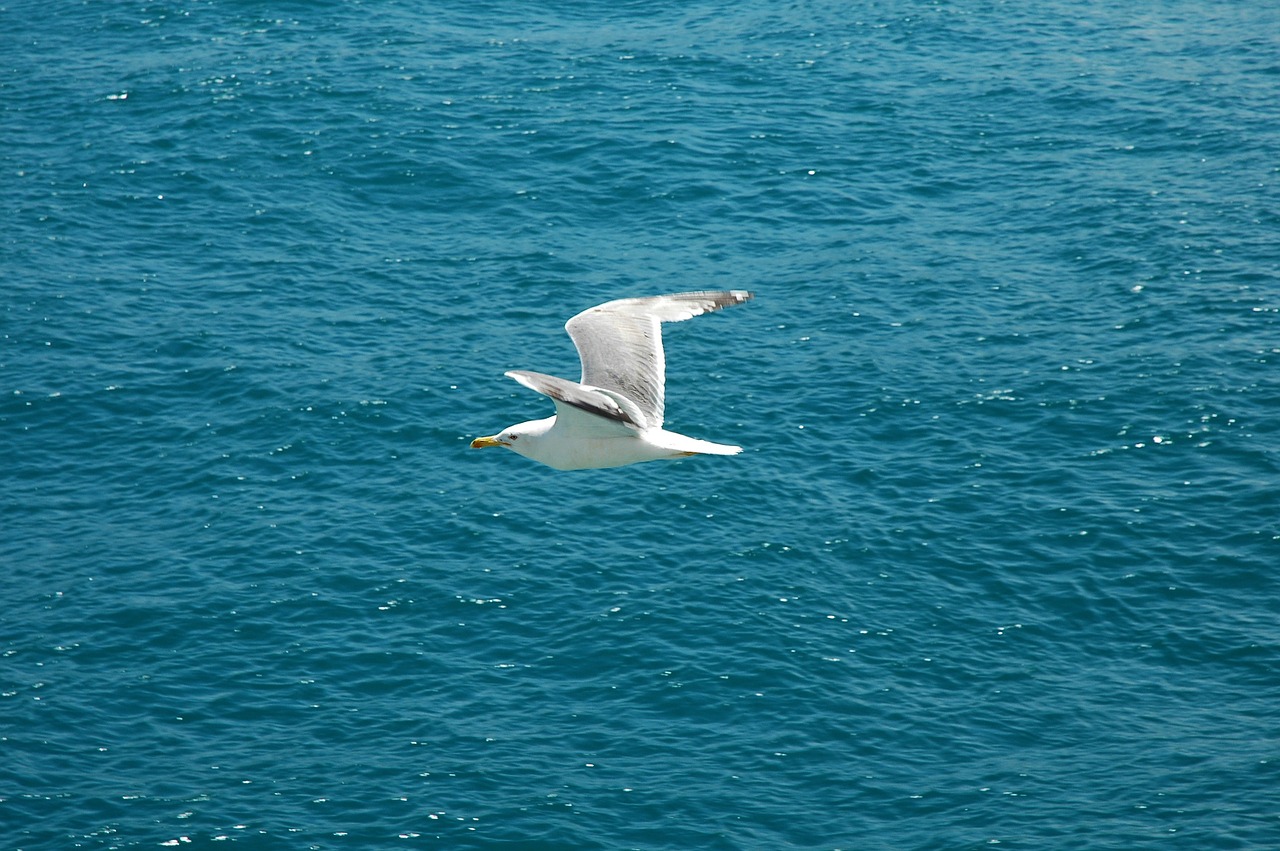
620,343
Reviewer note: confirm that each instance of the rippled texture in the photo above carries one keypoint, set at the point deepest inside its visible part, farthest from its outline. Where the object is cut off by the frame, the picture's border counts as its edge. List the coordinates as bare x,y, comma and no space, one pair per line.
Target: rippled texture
998,564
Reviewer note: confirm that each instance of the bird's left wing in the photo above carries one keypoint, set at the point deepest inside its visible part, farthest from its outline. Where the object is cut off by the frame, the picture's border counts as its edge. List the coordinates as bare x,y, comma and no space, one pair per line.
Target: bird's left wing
599,402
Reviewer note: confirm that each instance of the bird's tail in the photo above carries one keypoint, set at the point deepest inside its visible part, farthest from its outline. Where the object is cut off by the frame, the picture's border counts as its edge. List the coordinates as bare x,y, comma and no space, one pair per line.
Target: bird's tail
683,445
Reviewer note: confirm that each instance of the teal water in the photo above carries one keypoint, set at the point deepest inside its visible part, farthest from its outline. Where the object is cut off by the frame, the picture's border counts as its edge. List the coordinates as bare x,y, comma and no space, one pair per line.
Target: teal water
998,567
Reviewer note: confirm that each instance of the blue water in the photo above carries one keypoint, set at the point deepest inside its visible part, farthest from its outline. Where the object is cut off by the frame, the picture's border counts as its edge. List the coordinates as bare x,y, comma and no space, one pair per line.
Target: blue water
998,567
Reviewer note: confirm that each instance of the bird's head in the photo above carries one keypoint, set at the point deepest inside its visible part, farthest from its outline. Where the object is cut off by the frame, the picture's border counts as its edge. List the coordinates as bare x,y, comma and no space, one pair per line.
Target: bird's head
518,438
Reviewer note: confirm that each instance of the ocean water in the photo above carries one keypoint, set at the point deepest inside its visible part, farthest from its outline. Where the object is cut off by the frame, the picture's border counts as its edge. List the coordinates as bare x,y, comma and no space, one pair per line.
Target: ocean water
997,567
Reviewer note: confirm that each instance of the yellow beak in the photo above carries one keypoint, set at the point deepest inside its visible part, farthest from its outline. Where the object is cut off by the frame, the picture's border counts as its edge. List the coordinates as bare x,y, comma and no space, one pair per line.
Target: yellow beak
483,442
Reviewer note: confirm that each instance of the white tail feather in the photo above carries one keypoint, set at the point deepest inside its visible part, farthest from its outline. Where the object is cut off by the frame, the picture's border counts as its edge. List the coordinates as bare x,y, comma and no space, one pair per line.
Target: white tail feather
680,443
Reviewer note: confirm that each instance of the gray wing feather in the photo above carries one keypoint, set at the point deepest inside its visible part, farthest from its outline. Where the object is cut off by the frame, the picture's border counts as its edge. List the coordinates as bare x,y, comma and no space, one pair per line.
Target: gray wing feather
587,399
620,343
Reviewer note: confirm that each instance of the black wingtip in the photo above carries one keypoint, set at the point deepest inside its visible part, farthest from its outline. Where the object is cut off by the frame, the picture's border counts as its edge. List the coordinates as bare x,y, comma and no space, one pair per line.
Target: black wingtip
719,298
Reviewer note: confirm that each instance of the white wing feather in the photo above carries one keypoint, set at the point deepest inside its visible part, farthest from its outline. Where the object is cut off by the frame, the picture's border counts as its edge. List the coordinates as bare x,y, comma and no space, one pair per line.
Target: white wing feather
620,345
592,400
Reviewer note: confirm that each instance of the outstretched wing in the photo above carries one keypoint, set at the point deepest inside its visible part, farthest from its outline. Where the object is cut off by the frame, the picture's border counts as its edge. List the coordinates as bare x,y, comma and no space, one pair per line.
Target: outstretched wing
620,343
600,403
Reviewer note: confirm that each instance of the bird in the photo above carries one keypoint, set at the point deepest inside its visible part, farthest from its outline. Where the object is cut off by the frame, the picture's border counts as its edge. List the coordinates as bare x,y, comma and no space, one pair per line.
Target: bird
613,416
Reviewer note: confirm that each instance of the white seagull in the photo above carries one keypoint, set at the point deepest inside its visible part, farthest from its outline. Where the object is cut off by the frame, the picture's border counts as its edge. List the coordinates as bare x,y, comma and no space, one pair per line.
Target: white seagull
613,417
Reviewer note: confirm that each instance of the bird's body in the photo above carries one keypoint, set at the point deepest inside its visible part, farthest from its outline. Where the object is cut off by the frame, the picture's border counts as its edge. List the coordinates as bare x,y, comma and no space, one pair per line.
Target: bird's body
614,415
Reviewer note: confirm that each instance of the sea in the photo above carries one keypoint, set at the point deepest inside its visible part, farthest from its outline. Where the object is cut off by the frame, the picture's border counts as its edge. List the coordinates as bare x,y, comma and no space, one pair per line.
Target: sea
997,567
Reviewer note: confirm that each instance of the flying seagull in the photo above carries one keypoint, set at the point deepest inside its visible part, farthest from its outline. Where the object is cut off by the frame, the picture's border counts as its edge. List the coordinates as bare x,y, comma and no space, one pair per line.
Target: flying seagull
613,417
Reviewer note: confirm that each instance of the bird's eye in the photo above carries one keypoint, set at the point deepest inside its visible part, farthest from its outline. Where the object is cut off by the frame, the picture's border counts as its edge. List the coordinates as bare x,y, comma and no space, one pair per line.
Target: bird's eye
513,437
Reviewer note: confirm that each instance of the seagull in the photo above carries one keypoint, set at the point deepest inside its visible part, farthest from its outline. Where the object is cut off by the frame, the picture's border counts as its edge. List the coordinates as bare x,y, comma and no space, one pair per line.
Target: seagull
613,416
